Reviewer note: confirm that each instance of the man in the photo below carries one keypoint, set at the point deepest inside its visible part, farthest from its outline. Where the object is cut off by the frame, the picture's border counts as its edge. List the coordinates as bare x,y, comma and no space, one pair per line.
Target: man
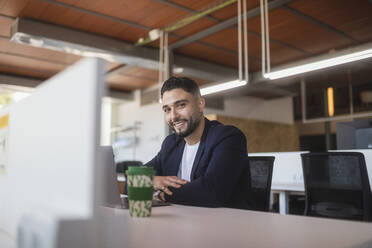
204,163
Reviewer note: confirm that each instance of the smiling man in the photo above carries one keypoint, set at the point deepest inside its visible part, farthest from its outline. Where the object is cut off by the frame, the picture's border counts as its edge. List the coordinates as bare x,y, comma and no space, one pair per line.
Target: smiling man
203,163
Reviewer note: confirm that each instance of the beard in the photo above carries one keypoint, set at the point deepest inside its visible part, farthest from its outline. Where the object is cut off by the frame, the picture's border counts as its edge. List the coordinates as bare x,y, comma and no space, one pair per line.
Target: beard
192,123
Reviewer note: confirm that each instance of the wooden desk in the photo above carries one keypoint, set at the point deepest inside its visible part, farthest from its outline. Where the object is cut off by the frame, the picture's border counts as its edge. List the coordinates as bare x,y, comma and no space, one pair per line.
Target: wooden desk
185,227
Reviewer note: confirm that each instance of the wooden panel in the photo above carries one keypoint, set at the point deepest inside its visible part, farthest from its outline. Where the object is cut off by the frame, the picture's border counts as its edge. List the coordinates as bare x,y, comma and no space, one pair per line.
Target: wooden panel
298,32
228,39
32,9
120,86
43,54
135,71
80,20
111,66
231,10
195,27
13,7
199,51
196,5
126,82
280,138
134,11
199,81
18,61
5,26
214,55
26,72
352,17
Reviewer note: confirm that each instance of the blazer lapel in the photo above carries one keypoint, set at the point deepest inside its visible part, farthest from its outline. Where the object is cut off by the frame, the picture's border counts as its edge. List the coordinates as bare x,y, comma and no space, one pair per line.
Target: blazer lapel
178,157
200,151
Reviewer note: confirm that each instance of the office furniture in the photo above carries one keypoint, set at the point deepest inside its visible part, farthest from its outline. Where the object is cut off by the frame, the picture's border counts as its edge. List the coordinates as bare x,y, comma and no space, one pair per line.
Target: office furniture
284,190
185,227
53,140
121,167
287,174
261,170
336,185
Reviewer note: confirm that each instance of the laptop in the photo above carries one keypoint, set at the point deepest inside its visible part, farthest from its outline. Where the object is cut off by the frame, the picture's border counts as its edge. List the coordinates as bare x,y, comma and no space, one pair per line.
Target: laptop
112,197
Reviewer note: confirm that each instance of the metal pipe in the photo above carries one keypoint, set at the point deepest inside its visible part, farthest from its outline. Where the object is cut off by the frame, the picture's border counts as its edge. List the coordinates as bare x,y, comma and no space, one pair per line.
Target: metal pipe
303,100
267,37
245,40
263,66
240,40
166,57
351,103
161,53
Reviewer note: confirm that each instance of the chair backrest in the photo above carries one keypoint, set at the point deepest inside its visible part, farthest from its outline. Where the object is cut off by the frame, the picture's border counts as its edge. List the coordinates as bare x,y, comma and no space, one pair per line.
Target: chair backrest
121,167
261,171
337,185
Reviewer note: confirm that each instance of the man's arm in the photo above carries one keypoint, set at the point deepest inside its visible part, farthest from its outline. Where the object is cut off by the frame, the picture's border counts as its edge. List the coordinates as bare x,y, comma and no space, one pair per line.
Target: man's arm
216,186
164,182
156,164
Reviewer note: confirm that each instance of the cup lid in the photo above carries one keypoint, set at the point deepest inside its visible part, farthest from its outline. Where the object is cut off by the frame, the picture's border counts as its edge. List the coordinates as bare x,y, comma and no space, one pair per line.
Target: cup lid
140,170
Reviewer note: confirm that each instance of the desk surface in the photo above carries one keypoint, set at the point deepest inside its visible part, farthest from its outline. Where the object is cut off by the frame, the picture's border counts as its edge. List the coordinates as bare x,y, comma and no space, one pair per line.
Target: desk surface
182,226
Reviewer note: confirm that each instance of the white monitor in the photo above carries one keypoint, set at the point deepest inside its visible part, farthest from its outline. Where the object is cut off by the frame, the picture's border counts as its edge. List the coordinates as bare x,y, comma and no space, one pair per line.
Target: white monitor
52,140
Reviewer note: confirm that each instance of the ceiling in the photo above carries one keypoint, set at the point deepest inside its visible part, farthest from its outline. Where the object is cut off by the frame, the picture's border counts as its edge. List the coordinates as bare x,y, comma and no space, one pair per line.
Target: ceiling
206,49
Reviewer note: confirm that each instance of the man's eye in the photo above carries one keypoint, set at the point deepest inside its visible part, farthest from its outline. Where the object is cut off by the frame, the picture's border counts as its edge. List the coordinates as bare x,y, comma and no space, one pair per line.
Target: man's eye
181,105
166,110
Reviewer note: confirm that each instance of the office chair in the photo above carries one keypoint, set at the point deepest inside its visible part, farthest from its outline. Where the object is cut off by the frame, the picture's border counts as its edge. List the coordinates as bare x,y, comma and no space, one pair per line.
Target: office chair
121,167
337,185
261,171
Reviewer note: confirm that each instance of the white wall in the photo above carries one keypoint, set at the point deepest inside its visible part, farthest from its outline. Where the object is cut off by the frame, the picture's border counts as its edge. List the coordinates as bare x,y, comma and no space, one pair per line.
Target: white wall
151,129
277,110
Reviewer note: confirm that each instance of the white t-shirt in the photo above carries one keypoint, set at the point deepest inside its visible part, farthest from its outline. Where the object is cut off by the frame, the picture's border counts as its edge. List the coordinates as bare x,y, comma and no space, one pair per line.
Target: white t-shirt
188,157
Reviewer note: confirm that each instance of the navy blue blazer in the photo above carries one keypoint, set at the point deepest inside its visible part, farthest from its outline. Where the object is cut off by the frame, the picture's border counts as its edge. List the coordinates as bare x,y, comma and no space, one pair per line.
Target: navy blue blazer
220,174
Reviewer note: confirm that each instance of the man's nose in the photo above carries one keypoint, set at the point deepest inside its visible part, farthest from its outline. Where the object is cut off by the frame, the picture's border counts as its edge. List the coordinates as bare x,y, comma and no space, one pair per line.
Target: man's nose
173,114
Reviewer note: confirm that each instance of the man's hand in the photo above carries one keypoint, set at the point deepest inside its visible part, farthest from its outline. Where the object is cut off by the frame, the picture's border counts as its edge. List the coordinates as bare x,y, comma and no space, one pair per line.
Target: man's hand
163,182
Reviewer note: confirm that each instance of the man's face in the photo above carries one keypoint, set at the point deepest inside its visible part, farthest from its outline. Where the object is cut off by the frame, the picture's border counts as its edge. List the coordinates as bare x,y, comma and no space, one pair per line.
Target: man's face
183,111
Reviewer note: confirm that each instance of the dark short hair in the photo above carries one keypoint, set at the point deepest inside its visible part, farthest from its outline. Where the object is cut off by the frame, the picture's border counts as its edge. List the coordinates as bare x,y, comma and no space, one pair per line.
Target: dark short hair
184,83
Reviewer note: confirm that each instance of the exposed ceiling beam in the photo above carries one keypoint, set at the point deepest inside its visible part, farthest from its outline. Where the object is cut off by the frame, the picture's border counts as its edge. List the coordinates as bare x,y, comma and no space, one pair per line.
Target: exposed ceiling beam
8,17
18,81
117,70
320,24
281,43
112,18
178,6
21,55
225,24
63,39
119,20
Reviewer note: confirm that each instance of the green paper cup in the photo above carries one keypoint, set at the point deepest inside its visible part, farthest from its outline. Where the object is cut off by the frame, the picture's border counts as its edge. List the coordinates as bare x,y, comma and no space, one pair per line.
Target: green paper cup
140,190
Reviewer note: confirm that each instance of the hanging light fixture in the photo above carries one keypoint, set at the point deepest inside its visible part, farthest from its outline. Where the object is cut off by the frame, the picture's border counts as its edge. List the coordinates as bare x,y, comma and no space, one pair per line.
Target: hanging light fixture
342,57
243,79
321,64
